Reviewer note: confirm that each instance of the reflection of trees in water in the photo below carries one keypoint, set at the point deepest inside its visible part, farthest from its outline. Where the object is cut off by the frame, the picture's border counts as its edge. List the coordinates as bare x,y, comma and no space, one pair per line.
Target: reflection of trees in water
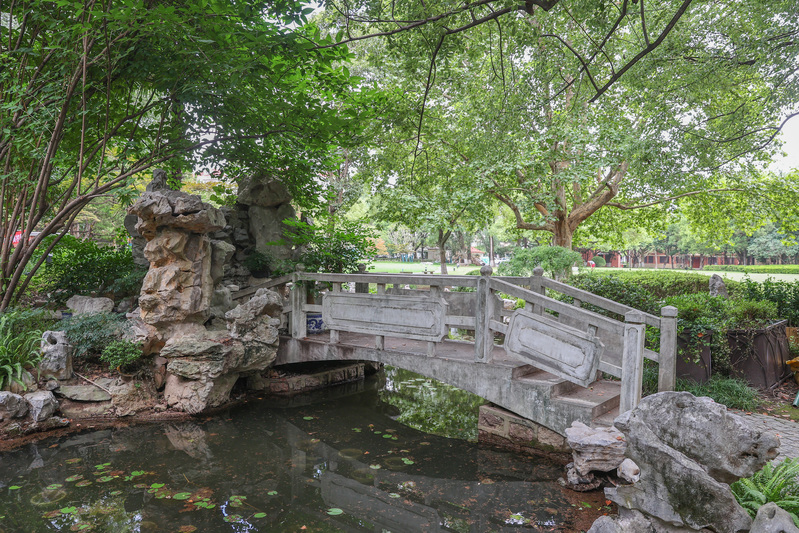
430,405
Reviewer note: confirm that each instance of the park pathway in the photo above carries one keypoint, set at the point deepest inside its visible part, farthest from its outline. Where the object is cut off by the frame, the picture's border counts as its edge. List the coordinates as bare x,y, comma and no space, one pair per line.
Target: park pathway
786,430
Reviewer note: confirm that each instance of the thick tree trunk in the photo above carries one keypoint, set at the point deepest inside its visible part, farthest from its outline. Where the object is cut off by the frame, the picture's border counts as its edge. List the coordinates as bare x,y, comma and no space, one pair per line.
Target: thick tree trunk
562,234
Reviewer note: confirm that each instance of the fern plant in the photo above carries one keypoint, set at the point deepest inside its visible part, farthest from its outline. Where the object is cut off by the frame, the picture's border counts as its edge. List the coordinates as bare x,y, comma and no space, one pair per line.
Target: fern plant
778,484
18,351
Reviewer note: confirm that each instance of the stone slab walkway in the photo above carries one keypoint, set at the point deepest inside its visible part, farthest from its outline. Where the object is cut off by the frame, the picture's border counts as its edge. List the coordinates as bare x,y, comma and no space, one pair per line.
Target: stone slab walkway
786,430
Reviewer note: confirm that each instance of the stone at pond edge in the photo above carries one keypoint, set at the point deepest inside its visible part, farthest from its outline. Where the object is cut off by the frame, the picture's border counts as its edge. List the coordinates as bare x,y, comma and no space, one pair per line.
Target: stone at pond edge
595,449
12,405
42,405
56,356
28,384
83,393
578,482
628,471
636,522
687,449
771,519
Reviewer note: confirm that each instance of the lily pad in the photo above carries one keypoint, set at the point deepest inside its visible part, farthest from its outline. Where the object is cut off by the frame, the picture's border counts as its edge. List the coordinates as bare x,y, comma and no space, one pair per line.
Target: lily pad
14,487
307,418
375,467
68,510
54,486
259,515
76,477
73,460
334,511
84,483
232,518
272,493
182,496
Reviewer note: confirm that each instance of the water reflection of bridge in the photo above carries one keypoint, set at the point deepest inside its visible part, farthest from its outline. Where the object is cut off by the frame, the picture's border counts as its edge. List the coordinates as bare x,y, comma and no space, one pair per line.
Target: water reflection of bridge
543,361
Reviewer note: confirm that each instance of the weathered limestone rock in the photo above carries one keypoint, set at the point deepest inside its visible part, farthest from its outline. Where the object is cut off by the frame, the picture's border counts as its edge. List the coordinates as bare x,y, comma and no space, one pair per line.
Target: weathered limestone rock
595,449
42,405
263,192
83,393
580,482
138,242
257,319
628,471
28,384
128,396
196,395
266,226
772,519
688,449
85,305
717,286
56,356
12,405
636,522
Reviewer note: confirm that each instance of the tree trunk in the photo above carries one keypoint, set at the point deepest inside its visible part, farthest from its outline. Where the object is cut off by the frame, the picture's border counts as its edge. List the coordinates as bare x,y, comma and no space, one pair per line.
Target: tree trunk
442,253
562,236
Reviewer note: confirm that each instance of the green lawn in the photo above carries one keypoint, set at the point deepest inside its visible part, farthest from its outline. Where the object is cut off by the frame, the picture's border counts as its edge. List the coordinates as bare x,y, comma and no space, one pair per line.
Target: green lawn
395,267
735,276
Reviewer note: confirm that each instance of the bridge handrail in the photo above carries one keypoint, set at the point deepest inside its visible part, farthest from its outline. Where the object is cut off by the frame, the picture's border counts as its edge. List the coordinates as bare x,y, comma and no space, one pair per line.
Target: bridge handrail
627,336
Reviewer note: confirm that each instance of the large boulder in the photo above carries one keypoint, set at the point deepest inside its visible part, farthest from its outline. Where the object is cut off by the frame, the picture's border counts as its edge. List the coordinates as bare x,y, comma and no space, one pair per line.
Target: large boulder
263,192
86,305
12,405
56,356
42,405
688,449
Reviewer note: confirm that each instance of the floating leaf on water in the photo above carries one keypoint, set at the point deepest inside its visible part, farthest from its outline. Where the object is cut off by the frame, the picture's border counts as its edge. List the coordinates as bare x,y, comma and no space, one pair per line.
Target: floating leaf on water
334,511
115,492
102,466
307,418
140,486
424,444
76,477
156,485
182,496
187,529
73,460
84,483
386,435
259,515
407,461
105,479
68,510
232,518
375,467
394,495
54,486
81,526
52,514
14,487
378,432
272,493
357,430
314,441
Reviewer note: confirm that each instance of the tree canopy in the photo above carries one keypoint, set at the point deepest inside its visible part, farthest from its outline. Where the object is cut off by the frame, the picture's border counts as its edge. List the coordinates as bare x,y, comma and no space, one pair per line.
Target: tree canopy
93,93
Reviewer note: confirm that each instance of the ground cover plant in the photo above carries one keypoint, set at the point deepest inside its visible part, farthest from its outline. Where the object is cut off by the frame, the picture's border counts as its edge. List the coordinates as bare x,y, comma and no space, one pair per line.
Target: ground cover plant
755,269
19,350
90,334
778,484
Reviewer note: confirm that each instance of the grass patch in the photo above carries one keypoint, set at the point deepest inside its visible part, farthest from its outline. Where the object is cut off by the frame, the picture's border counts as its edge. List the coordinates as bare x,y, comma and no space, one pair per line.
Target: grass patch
732,392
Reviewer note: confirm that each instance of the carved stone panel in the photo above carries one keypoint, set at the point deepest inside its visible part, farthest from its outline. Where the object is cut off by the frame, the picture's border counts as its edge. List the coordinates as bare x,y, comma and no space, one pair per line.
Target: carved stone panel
382,314
559,349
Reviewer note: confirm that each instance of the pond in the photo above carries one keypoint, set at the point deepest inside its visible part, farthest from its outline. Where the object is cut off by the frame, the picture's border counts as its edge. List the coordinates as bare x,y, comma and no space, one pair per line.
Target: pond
340,464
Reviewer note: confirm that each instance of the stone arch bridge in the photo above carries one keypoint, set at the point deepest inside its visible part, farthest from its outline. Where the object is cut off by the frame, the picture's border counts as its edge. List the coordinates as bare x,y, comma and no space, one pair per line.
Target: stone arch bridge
544,361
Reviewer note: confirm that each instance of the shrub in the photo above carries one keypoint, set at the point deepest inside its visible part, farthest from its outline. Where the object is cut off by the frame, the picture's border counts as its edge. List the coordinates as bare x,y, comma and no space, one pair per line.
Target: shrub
555,260
18,351
84,267
777,484
599,261
90,334
755,269
121,353
784,294
662,283
732,392
259,263
619,289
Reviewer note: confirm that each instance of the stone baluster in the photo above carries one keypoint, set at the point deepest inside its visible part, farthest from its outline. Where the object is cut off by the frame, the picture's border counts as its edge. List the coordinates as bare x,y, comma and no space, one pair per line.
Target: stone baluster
298,298
632,361
484,311
667,360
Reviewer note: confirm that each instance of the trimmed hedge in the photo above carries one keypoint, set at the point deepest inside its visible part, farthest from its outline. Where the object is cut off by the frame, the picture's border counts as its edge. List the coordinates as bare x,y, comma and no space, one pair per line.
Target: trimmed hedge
755,269
659,283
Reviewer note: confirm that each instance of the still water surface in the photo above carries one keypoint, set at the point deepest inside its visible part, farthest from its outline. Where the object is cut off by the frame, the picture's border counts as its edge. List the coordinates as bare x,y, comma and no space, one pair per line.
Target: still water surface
341,464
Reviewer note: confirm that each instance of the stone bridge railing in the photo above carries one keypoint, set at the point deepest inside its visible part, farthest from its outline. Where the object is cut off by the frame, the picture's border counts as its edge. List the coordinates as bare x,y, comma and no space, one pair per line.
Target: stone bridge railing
567,338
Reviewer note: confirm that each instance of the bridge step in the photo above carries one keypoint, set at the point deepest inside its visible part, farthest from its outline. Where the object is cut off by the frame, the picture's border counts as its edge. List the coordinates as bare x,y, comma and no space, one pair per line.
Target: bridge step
601,397
546,382
607,419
